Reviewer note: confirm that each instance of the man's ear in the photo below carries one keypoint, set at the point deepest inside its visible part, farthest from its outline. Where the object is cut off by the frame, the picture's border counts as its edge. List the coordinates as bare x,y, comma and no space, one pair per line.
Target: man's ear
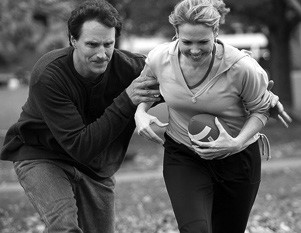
73,42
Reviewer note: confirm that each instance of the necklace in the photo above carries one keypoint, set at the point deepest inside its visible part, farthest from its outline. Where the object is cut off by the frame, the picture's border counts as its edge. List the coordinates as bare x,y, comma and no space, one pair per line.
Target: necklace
207,72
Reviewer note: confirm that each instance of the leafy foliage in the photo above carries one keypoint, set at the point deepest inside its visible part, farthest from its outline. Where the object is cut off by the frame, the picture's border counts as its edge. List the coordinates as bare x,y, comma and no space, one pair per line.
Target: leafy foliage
29,26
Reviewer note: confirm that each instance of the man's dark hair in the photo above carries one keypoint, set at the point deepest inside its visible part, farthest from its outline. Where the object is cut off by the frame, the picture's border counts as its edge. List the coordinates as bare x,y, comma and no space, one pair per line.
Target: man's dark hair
99,10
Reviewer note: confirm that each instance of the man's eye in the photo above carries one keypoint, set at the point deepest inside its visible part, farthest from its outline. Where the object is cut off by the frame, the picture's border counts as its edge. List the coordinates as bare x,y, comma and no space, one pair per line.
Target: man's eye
92,44
108,45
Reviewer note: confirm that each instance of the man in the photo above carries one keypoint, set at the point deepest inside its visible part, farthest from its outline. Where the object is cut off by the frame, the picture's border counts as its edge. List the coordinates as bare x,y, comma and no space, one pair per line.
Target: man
76,125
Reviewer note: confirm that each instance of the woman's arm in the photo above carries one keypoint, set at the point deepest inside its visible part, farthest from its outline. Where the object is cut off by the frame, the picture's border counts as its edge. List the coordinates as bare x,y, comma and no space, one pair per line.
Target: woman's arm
251,81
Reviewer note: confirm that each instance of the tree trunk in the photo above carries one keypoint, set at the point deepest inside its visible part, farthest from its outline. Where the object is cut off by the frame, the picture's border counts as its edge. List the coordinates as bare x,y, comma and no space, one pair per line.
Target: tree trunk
279,38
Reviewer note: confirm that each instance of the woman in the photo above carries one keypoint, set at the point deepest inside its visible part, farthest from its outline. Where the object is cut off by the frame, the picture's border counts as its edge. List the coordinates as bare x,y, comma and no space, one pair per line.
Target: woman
213,189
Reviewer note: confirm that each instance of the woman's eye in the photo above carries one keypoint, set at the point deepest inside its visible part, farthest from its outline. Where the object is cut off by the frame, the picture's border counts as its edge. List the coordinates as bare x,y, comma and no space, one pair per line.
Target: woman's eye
204,42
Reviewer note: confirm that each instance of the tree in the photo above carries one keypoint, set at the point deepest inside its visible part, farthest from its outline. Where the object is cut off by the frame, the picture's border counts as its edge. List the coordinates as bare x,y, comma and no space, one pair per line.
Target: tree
146,17
15,30
278,19
31,27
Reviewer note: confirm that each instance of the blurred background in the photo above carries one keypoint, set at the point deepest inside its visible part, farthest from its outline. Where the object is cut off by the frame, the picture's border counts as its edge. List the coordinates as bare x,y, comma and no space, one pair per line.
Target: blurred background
270,29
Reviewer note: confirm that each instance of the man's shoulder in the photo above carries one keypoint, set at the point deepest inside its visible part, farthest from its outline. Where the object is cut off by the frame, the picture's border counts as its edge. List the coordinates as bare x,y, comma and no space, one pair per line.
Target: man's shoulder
127,57
126,53
126,65
47,59
53,55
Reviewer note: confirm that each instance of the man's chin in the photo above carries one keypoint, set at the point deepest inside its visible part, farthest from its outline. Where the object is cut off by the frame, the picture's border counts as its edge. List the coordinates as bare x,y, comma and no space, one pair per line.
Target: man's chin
99,70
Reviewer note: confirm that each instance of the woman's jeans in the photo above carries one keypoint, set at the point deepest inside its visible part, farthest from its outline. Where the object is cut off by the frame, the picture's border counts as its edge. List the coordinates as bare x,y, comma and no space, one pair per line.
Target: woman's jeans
211,196
66,199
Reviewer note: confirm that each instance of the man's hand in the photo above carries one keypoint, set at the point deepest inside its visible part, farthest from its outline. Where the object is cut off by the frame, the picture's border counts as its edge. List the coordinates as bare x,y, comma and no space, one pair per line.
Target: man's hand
141,90
276,108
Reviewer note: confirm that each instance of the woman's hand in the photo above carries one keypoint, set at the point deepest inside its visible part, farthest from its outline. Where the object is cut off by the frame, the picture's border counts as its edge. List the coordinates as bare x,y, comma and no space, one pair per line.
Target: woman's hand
221,148
143,121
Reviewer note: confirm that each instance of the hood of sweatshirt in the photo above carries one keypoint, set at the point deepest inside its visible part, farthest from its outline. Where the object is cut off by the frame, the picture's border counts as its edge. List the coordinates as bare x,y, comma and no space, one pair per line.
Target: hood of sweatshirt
228,55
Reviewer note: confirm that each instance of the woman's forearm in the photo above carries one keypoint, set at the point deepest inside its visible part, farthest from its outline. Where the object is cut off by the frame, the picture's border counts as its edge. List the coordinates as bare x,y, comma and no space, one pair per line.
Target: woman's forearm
252,126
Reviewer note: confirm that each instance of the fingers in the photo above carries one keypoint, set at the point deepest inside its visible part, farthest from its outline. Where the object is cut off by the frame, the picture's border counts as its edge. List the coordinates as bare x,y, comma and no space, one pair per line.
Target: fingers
150,135
270,85
155,138
282,115
147,82
274,100
282,121
147,86
286,117
144,129
219,125
139,90
277,111
200,144
159,123
279,107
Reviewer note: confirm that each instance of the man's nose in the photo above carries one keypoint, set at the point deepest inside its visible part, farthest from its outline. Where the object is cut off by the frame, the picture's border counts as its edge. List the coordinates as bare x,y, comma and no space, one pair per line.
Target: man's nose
101,52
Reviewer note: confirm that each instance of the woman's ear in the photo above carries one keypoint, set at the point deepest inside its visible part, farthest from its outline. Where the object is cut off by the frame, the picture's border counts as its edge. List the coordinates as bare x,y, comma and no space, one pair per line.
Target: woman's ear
215,33
176,36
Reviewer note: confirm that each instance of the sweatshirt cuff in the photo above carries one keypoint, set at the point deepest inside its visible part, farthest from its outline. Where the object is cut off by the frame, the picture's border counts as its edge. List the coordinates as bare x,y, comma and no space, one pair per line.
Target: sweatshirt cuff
262,117
125,104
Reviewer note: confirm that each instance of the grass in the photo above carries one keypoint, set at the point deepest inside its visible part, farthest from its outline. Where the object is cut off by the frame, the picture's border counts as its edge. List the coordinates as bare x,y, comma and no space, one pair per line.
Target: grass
10,105
143,206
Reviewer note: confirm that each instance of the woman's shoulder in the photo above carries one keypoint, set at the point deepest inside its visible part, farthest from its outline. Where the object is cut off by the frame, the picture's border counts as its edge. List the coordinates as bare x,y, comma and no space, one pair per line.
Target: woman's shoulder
161,49
239,58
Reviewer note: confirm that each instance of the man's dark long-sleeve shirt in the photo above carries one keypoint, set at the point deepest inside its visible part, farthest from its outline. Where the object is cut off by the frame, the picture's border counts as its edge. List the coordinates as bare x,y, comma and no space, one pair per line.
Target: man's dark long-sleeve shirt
87,123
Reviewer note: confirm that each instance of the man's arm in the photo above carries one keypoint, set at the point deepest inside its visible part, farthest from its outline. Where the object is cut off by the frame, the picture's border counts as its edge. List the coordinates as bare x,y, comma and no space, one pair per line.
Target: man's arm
80,141
277,110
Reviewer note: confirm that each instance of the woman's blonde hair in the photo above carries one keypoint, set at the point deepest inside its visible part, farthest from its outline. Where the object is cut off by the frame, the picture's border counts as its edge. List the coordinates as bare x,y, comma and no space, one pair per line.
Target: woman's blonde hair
209,12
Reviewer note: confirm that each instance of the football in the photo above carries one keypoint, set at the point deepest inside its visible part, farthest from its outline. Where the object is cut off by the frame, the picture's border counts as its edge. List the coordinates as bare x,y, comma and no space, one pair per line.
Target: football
202,127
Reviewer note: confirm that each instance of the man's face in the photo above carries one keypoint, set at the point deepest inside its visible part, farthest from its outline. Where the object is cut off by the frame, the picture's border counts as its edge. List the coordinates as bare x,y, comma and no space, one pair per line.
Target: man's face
93,49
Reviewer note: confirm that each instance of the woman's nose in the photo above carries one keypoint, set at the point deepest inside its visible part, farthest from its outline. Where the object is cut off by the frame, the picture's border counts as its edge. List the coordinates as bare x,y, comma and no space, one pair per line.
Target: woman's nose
195,49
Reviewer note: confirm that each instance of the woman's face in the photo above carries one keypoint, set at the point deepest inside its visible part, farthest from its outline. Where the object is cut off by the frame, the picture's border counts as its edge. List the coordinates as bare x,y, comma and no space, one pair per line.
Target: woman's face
195,41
